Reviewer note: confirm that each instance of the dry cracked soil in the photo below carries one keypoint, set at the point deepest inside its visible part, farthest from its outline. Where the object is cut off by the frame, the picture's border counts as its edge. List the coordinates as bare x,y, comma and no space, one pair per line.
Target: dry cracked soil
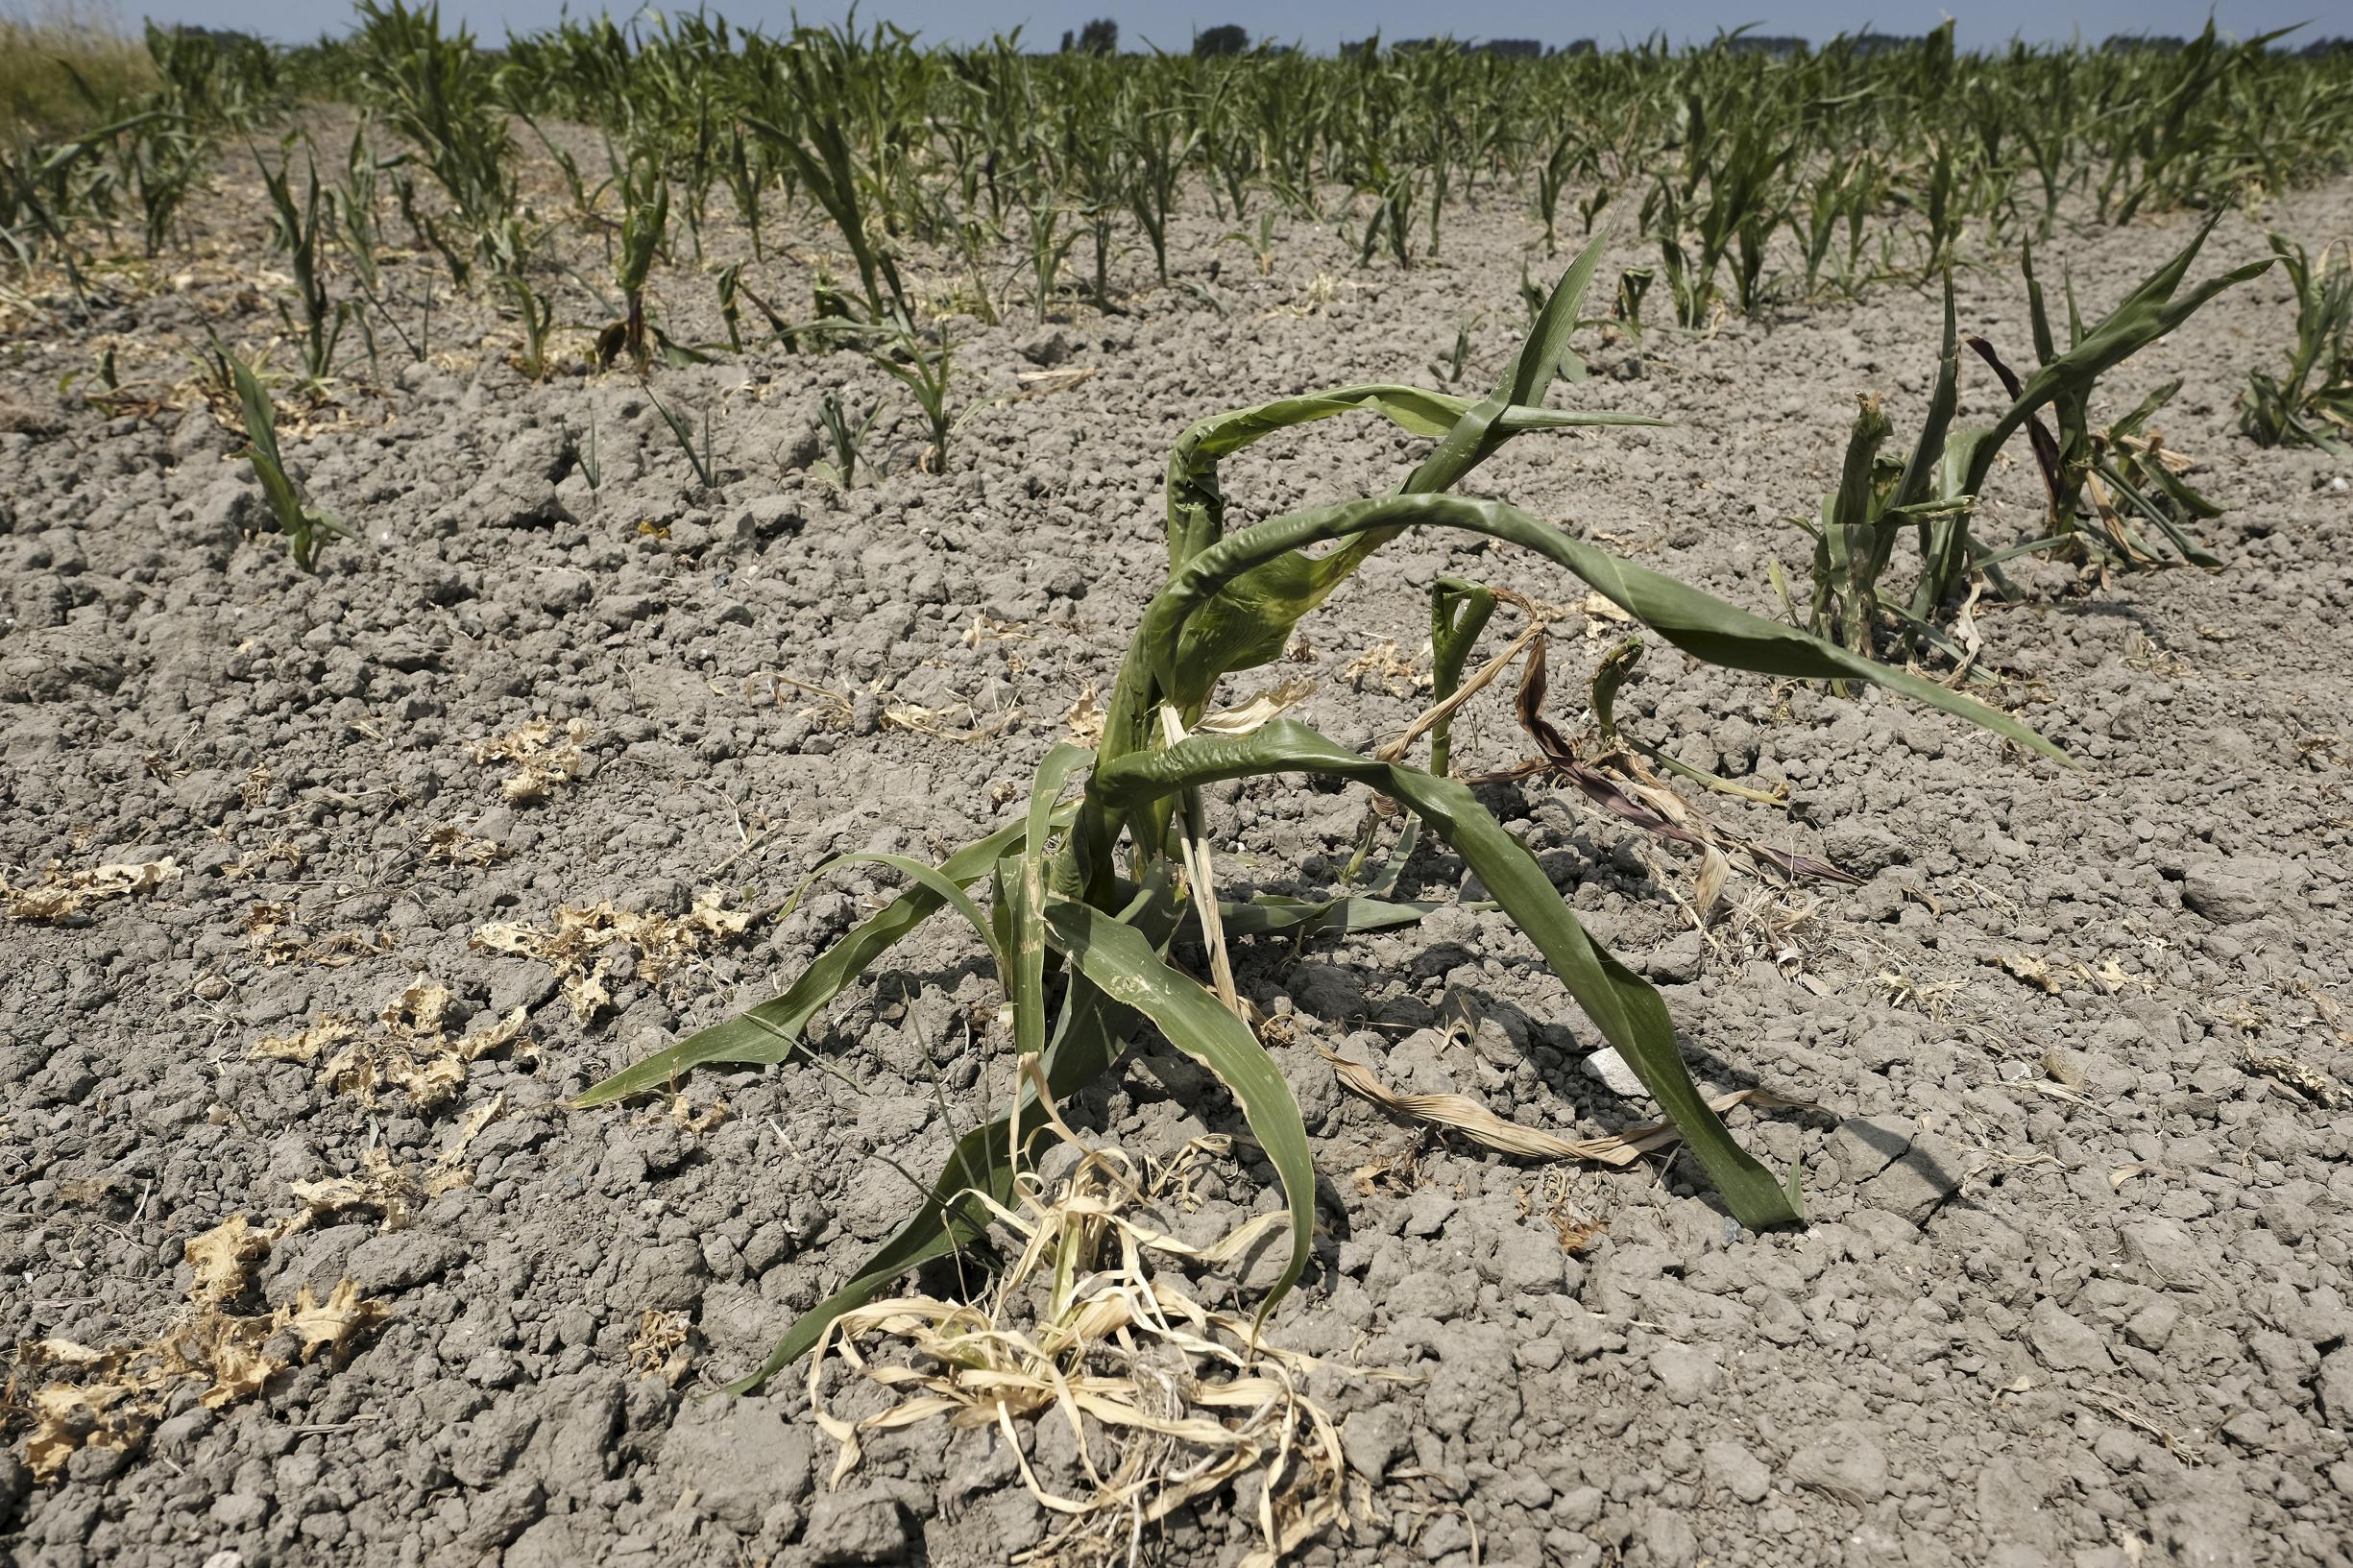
2074,1288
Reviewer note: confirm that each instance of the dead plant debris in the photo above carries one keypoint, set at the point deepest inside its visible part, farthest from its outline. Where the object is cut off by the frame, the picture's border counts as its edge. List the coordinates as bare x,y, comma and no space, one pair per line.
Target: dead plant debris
544,757
410,1051
2321,1088
1084,718
457,846
276,935
62,894
663,1346
1467,1118
583,944
1169,1401
1386,668
111,1397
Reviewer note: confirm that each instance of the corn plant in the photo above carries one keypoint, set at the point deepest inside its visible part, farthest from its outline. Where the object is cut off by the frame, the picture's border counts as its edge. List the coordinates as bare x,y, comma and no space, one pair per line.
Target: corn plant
811,88
733,289
49,188
1566,157
304,525
1261,244
1741,171
698,458
1934,491
2313,404
437,90
356,210
585,453
162,163
534,316
1049,250
1394,192
646,210
1086,897
848,440
1157,144
2137,483
299,227
922,368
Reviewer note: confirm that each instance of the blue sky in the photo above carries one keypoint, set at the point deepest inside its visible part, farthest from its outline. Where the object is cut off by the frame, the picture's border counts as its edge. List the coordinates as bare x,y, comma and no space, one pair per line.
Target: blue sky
1322,24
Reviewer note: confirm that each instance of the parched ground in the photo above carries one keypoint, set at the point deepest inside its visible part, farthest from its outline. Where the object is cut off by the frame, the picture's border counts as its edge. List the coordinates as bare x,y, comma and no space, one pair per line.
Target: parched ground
2075,1290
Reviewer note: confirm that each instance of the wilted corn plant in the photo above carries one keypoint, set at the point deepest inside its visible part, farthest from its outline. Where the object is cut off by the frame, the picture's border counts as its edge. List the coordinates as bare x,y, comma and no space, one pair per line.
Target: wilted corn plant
646,211
438,91
2313,403
300,226
1935,491
1067,906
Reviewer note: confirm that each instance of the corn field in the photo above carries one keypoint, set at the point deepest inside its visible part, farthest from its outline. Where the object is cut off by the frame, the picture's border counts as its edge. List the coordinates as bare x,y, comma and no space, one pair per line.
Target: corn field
672,368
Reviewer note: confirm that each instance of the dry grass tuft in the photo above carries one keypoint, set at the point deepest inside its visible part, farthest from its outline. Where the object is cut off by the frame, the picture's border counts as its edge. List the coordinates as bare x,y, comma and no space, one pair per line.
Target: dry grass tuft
1167,1401
68,67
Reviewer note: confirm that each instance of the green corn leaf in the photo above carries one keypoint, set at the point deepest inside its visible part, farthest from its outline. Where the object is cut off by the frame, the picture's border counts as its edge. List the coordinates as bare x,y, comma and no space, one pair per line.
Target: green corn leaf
2146,314
1120,960
1459,612
1629,1013
1196,509
943,887
1920,472
1250,625
261,441
1026,959
1483,429
770,1031
1188,656
1269,916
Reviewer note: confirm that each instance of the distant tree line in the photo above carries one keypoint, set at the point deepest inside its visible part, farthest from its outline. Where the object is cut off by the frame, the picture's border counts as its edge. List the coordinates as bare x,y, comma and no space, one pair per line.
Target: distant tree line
1101,36
1501,48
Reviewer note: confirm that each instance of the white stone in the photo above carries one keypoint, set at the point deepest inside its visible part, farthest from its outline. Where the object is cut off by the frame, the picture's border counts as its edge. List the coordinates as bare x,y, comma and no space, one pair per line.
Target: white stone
1607,1065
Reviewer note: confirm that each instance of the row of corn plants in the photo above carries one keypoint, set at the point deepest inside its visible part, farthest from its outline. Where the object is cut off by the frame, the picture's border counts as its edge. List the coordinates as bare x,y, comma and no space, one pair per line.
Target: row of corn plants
1758,176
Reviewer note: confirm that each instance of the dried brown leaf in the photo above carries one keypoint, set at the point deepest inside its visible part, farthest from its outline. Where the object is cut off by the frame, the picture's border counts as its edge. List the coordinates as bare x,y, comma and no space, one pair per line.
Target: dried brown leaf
62,894
1459,1114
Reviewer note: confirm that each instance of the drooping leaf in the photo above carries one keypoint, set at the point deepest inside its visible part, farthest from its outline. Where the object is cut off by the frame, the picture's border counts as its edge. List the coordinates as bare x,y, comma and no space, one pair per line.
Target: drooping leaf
1305,917
1251,624
1087,1039
1695,621
1196,509
1628,1011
